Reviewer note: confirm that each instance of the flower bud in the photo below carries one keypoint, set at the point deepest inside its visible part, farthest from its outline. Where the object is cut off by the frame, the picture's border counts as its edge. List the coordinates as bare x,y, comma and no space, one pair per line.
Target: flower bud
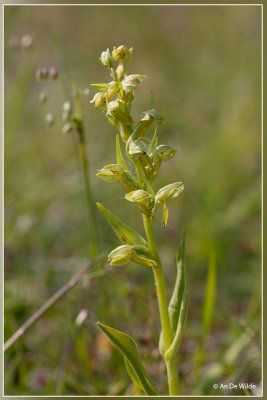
99,99
130,82
53,72
122,54
106,59
139,196
169,192
121,255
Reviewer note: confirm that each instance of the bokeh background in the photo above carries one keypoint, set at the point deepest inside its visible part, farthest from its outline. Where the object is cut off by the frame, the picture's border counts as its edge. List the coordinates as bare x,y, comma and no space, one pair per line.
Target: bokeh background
203,66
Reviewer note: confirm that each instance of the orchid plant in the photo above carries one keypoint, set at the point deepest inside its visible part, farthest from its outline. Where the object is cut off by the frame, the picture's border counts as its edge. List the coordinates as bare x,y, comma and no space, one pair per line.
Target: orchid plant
145,156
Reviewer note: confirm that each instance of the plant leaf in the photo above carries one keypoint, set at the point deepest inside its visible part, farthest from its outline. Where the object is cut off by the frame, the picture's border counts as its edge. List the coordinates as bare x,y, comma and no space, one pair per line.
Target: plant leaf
124,232
120,159
177,295
127,346
178,303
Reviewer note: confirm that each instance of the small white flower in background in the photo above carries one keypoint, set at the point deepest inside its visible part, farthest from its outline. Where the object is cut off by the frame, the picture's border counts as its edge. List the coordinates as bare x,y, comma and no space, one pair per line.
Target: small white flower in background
49,118
81,317
26,41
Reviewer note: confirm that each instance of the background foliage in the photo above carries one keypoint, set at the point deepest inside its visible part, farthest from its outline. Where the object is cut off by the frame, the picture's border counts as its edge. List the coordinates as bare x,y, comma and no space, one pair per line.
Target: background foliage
203,65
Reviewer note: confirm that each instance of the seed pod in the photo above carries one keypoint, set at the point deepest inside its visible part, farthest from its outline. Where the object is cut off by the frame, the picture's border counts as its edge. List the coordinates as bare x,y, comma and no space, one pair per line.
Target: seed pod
139,196
121,53
106,59
99,99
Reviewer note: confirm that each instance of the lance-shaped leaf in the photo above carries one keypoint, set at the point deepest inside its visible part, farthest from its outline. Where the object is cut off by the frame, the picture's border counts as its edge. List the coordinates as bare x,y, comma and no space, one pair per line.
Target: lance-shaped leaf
127,346
102,86
178,304
119,155
123,232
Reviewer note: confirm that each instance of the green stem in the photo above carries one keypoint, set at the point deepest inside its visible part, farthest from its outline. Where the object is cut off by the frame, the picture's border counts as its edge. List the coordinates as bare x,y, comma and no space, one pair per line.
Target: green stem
85,168
172,366
88,195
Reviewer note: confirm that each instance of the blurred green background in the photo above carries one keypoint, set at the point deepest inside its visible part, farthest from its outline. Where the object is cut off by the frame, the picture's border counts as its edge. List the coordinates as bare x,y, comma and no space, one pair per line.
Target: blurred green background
203,65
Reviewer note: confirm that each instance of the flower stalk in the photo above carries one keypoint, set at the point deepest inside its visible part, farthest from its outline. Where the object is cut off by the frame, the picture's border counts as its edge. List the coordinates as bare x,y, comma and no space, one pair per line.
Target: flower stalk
146,156
86,177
